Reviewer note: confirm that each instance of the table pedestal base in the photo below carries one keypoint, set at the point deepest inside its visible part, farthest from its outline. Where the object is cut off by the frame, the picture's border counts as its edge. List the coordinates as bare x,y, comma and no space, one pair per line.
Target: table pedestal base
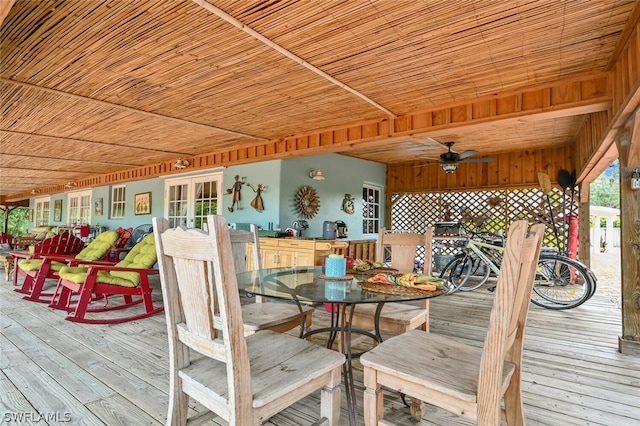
341,320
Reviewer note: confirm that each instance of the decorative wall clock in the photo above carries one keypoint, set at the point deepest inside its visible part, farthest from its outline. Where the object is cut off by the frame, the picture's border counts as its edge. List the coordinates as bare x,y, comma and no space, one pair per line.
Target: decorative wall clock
307,202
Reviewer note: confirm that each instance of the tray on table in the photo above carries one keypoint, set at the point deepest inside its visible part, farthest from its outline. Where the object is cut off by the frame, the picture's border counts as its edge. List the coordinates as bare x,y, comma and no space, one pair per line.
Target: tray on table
398,289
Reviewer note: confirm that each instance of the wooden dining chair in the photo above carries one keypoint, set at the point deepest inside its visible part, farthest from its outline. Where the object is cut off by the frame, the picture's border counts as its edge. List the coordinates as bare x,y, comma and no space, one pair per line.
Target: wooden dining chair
242,379
265,315
397,317
462,378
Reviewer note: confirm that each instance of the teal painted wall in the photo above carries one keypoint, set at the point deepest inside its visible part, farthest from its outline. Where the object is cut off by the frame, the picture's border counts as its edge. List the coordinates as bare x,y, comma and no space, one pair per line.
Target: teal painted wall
281,178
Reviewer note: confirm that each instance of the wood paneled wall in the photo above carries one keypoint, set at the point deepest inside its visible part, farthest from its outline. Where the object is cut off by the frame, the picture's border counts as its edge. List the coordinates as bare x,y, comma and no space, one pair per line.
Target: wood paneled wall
509,170
595,148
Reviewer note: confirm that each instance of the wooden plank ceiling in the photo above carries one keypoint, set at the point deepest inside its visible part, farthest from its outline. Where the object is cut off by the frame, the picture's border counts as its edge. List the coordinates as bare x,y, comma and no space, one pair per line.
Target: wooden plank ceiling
91,87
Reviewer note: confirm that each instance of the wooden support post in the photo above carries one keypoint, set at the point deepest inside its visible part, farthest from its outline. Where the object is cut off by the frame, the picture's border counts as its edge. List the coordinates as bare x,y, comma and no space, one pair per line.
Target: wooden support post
628,143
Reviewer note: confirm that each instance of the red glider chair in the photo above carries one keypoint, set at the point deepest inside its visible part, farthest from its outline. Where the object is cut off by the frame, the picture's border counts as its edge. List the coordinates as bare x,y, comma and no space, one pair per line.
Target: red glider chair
129,278
36,271
63,244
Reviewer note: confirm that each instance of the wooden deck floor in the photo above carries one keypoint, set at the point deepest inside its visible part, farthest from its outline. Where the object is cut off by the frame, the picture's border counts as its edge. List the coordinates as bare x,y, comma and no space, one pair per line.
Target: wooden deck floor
117,375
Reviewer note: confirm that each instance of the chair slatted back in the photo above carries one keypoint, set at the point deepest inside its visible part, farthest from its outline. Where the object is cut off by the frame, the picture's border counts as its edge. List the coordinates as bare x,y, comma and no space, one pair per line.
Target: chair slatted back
239,239
61,244
404,248
505,335
200,294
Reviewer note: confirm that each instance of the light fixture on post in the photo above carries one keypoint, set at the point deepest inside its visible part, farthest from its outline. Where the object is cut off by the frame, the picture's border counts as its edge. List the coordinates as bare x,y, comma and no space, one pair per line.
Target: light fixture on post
635,179
449,166
316,174
181,164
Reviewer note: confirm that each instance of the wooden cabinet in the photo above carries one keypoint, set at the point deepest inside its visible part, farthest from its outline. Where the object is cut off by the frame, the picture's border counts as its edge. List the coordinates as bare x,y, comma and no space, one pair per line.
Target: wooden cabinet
289,252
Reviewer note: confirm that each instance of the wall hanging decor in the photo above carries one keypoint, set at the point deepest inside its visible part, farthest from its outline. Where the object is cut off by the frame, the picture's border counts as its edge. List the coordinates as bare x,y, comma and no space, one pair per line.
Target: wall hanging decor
98,207
307,202
348,204
235,192
257,202
57,211
143,203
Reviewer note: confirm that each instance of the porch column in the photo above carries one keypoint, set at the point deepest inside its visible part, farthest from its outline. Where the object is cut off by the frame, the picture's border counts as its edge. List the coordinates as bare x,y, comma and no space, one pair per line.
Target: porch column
628,144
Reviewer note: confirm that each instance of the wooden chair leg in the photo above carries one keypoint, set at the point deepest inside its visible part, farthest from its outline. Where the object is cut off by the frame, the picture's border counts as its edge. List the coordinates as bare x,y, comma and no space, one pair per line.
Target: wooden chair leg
330,397
417,409
373,398
514,410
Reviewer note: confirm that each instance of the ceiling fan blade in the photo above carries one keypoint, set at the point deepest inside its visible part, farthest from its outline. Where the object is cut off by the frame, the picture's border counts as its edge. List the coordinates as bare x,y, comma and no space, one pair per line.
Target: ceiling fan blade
478,160
426,165
467,153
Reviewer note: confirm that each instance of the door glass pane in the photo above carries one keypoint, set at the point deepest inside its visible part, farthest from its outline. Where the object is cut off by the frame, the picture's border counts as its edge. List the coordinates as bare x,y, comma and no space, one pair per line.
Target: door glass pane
177,205
206,201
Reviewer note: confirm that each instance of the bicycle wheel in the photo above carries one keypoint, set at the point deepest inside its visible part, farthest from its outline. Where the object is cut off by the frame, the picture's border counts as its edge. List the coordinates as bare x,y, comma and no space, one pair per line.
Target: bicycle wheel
561,283
457,271
478,275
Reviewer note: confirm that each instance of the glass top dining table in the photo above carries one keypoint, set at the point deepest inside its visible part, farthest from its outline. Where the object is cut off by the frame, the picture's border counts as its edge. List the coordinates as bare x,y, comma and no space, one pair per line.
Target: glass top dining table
309,285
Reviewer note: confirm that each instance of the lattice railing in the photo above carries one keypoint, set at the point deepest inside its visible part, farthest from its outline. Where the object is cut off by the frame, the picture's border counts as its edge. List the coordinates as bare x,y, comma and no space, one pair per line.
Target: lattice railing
486,211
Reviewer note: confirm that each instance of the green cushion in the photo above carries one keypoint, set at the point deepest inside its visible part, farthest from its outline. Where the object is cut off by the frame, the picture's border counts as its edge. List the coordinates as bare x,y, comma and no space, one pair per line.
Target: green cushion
30,264
99,247
36,264
143,255
94,251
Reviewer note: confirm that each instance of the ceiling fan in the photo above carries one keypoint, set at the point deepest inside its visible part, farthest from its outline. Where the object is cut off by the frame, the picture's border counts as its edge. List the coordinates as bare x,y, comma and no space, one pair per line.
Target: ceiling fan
450,160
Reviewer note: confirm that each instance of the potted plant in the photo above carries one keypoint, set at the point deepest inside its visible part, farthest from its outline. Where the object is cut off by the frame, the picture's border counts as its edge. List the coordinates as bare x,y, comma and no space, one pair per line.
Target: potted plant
603,245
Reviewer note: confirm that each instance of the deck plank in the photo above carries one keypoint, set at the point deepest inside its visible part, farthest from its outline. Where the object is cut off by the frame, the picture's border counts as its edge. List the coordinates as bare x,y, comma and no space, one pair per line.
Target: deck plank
573,373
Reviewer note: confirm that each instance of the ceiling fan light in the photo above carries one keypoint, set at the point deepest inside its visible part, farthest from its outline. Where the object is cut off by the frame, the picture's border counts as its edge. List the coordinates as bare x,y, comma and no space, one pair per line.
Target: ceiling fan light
449,167
181,164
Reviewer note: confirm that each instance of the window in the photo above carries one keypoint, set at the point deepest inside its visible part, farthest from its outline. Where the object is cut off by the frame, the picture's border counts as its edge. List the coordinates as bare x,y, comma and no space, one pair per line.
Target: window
117,202
42,214
79,210
370,209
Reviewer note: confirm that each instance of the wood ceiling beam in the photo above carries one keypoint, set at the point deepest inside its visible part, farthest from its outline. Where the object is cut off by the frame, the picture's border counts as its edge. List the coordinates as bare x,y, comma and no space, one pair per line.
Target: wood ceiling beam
253,33
629,28
580,95
577,96
129,109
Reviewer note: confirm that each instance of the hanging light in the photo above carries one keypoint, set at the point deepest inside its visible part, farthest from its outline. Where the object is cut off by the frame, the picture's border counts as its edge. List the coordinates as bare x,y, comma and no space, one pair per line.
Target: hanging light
449,166
181,164
317,175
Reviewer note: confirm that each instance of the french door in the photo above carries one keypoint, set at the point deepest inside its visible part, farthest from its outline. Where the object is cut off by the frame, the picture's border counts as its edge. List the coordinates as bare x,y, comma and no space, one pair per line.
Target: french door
188,201
79,208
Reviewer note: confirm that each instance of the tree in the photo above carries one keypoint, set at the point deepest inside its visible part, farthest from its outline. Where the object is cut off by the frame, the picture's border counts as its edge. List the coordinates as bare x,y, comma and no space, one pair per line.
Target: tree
605,190
17,223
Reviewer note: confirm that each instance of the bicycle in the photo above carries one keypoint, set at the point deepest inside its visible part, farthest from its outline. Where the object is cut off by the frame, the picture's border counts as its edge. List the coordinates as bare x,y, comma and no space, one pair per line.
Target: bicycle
560,282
